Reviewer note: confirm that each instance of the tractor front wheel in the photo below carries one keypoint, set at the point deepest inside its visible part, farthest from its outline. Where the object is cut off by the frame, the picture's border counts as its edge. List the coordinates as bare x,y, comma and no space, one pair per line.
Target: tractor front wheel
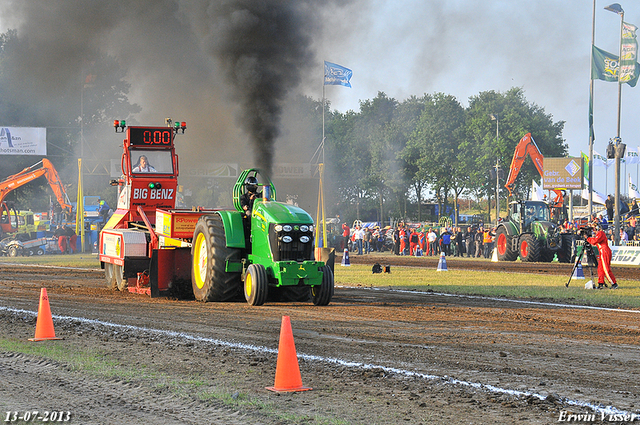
529,249
503,246
323,293
256,284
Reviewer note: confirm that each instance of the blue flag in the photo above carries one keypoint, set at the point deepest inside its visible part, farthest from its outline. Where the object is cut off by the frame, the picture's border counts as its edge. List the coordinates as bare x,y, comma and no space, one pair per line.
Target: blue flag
336,75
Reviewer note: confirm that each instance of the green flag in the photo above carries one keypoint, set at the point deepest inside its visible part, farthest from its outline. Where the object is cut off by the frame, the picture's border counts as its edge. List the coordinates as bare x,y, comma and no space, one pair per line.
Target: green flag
605,67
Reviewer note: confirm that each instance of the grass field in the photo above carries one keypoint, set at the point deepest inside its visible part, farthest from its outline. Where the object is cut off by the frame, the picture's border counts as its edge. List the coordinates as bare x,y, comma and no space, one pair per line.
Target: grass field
524,286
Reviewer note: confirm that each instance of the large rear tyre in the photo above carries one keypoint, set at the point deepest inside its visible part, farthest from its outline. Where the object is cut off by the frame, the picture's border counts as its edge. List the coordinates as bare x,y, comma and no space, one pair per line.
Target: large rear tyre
209,253
323,293
529,249
566,252
256,284
504,246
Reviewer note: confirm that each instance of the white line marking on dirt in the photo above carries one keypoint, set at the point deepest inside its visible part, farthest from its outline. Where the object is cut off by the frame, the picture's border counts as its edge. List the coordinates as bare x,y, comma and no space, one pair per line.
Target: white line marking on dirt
503,300
608,410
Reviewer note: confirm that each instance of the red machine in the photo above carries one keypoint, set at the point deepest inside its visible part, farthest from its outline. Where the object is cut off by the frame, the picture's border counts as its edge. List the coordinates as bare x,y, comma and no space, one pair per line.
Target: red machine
42,168
134,253
528,146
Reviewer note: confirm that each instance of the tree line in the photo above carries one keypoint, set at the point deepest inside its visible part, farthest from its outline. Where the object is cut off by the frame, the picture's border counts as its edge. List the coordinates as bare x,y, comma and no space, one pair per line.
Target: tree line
390,157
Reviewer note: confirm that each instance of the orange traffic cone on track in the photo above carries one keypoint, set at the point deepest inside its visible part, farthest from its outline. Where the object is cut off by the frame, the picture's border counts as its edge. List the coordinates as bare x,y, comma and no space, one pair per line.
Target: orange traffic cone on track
44,324
288,377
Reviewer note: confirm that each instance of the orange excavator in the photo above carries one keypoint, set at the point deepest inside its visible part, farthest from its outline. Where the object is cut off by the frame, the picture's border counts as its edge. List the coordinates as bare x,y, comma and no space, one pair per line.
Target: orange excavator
42,168
528,146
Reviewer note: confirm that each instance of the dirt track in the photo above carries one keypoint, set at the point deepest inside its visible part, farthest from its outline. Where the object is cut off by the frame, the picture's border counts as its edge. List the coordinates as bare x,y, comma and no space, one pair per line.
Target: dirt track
372,357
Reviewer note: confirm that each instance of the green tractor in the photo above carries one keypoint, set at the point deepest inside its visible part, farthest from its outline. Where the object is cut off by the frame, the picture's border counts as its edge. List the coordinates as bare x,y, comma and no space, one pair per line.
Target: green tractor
529,233
266,249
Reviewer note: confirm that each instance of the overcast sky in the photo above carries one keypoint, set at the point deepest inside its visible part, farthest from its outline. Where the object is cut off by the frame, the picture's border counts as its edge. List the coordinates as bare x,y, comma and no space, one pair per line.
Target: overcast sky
400,47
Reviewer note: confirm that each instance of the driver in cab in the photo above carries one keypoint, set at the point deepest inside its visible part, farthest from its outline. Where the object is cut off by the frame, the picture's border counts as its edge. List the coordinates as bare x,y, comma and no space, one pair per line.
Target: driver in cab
143,166
250,195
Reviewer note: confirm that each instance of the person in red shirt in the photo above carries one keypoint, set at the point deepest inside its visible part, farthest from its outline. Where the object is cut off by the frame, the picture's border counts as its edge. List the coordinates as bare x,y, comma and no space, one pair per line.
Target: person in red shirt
604,258
345,236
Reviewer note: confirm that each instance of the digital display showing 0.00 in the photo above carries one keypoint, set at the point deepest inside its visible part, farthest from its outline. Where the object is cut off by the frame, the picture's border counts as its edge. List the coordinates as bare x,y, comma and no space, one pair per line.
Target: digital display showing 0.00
149,136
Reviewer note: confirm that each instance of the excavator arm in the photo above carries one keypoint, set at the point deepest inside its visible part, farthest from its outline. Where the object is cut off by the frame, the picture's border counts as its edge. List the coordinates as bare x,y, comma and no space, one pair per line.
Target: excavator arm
525,146
29,174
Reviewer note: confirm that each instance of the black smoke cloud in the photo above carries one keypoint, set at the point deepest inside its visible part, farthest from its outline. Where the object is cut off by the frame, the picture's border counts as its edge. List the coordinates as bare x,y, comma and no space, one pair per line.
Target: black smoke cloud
263,47
185,59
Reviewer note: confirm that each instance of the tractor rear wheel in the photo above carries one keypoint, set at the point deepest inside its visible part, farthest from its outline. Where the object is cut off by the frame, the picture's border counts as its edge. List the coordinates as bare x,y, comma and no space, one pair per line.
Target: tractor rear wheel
209,255
323,293
565,253
110,277
504,247
529,249
256,284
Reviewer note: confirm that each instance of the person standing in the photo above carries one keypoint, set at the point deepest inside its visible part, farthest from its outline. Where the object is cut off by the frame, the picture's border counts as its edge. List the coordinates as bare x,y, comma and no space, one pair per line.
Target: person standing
403,241
359,236
604,258
479,238
72,238
608,204
413,242
367,240
459,242
396,241
346,231
431,238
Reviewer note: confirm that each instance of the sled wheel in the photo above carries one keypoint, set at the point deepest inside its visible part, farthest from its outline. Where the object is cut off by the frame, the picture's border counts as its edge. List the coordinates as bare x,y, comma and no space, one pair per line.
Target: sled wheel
209,279
256,284
13,251
121,282
110,277
40,251
323,293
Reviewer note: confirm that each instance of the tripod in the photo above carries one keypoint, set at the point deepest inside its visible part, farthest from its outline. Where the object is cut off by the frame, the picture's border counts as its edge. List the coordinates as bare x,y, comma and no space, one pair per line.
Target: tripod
592,260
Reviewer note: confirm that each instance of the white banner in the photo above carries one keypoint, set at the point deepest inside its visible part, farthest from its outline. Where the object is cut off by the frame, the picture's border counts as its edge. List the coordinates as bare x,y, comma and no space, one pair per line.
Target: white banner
536,192
23,141
633,189
601,161
631,156
625,255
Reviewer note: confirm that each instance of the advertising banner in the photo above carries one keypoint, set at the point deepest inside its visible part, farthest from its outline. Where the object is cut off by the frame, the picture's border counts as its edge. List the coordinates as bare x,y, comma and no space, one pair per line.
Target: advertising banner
23,141
563,173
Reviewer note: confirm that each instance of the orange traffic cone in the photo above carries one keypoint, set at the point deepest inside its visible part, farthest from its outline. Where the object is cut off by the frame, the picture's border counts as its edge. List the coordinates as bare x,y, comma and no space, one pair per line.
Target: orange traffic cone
44,325
288,377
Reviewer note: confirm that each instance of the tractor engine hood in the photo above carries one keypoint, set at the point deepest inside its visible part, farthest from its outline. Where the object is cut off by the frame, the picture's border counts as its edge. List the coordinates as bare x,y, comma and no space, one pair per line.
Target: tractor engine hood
277,212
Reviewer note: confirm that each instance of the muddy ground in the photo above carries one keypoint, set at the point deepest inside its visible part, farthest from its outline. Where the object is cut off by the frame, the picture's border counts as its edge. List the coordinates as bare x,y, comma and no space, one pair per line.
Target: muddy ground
371,357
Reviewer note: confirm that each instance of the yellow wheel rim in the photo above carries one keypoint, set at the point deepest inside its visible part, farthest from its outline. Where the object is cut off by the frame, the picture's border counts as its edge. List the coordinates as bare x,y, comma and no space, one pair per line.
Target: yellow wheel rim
248,285
200,260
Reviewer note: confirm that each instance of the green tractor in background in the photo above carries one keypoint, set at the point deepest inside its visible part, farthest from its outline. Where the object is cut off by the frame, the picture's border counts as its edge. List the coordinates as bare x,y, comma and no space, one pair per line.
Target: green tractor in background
529,233
267,249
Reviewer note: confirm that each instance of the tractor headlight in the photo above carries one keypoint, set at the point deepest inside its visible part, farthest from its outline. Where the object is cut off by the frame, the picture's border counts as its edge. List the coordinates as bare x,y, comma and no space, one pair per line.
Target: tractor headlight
278,228
286,239
304,239
304,228
287,228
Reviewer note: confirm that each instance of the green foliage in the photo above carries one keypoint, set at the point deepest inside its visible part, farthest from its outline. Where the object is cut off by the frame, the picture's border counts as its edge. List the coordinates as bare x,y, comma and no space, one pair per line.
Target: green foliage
391,154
